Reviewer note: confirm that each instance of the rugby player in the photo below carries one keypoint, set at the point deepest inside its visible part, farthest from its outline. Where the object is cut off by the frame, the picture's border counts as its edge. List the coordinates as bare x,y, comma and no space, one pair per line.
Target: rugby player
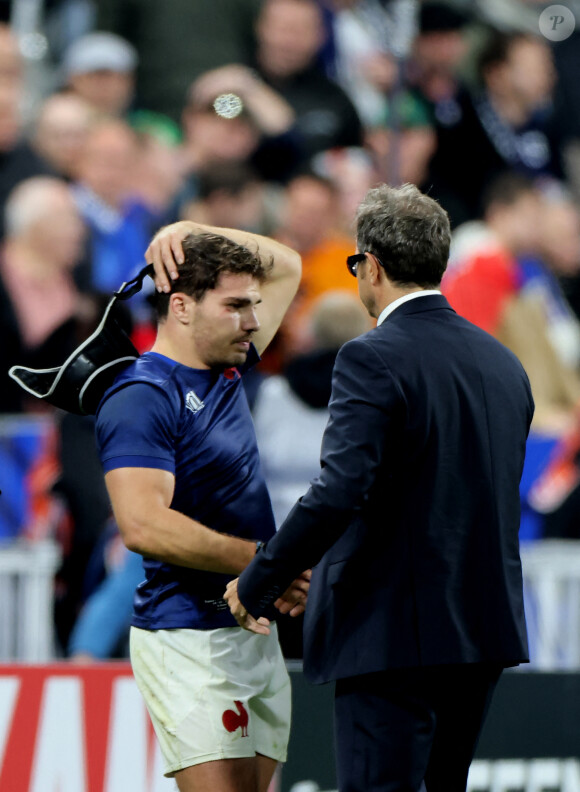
182,470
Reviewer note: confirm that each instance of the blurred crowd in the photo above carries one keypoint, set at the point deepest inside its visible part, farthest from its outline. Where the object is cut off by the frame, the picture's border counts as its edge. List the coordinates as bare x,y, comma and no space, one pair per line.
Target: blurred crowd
277,116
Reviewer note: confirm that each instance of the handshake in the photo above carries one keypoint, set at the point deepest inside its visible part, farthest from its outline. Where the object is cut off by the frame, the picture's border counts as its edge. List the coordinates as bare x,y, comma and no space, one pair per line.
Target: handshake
292,601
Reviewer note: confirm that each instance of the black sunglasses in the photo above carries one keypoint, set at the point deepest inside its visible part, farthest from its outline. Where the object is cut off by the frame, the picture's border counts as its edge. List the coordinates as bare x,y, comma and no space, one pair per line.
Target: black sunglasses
353,261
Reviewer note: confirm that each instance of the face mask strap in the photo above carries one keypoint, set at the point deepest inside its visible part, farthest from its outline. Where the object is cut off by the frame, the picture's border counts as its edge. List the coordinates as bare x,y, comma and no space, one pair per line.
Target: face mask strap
131,287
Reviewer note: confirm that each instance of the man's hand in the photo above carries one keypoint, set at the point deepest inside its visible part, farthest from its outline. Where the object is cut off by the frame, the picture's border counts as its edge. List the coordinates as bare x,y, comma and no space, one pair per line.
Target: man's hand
293,600
165,253
241,615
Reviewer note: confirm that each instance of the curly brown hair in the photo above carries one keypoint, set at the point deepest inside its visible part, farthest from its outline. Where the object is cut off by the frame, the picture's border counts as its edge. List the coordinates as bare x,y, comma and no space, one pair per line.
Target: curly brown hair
207,257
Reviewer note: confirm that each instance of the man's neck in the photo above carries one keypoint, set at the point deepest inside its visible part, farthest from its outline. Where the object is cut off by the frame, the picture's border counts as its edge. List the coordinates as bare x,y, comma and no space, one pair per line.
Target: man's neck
393,293
404,297
168,347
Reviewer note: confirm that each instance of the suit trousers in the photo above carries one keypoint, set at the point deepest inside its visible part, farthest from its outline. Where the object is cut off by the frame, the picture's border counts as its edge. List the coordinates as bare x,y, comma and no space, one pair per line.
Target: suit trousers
395,729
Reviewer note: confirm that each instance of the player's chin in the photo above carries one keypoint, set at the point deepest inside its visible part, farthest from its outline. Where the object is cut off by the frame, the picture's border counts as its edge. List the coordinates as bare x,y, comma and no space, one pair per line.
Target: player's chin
240,353
233,359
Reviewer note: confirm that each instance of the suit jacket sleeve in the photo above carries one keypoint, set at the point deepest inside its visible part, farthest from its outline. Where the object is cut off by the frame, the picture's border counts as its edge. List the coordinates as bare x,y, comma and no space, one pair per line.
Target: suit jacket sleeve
365,401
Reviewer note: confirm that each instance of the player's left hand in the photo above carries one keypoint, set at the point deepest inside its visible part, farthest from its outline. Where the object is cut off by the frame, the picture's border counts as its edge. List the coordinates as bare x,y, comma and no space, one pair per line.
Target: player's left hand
165,252
241,615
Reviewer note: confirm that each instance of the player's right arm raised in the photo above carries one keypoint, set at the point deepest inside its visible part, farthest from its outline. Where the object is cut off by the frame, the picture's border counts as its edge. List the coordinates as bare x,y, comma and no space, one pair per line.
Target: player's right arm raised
278,291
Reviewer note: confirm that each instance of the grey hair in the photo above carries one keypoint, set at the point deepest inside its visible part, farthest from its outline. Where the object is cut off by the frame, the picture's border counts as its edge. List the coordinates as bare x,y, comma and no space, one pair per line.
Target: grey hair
30,201
407,231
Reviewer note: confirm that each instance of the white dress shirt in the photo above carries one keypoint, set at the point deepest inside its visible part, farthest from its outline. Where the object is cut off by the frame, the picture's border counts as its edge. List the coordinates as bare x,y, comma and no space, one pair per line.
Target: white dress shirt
405,298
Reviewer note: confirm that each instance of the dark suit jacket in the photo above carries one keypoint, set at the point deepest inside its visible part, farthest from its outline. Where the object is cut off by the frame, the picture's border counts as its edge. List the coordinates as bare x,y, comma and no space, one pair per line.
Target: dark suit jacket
416,510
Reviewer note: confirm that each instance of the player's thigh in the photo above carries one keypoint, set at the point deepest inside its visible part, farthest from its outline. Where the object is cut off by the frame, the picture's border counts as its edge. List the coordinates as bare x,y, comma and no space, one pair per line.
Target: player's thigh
222,775
265,768
252,774
271,708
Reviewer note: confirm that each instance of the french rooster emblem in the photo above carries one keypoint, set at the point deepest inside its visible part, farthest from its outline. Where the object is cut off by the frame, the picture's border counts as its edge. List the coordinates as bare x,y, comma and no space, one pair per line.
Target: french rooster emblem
234,720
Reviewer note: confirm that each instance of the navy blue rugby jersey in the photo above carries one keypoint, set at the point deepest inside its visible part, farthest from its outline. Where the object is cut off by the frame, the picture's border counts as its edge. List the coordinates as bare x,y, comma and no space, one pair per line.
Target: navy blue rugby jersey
196,424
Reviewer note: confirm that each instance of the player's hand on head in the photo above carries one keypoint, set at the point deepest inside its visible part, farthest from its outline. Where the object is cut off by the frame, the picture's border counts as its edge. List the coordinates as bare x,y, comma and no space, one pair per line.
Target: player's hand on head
165,253
293,600
241,615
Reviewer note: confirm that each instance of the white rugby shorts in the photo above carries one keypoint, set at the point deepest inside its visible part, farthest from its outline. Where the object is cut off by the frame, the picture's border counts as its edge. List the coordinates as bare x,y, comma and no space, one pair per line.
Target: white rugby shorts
213,694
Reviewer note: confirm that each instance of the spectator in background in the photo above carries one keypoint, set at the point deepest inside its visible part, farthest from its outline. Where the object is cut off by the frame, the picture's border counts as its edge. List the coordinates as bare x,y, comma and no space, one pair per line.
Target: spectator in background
59,133
259,129
364,64
11,62
553,492
119,226
157,178
290,34
496,280
310,225
43,318
488,284
100,69
439,49
41,312
567,105
210,138
290,412
505,125
353,172
271,113
230,195
18,160
558,260
560,241
403,146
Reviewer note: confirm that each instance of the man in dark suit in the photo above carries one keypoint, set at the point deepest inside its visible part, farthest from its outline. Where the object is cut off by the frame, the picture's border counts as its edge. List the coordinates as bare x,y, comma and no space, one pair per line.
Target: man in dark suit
416,604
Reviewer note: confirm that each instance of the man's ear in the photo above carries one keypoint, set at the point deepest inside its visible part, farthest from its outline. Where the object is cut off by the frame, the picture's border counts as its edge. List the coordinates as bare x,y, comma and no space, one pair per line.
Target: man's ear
374,269
180,307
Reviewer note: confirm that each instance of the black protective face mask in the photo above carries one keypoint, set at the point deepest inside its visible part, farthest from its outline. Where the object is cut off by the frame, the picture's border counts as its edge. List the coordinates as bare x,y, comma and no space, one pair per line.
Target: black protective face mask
79,384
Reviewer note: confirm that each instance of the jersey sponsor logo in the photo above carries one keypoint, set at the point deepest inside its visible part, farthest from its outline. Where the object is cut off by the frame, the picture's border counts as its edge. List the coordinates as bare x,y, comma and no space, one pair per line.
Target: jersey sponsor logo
193,402
236,720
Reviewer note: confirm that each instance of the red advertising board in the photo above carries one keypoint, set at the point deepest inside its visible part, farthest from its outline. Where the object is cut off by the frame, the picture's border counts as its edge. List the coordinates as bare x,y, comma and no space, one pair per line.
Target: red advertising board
69,728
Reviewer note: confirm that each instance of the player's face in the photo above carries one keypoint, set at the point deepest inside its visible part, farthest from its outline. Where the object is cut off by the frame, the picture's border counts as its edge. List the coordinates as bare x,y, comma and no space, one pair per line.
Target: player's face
225,320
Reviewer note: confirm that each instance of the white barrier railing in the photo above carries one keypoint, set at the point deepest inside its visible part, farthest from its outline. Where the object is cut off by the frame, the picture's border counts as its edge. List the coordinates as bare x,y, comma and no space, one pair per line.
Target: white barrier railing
551,570
27,571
